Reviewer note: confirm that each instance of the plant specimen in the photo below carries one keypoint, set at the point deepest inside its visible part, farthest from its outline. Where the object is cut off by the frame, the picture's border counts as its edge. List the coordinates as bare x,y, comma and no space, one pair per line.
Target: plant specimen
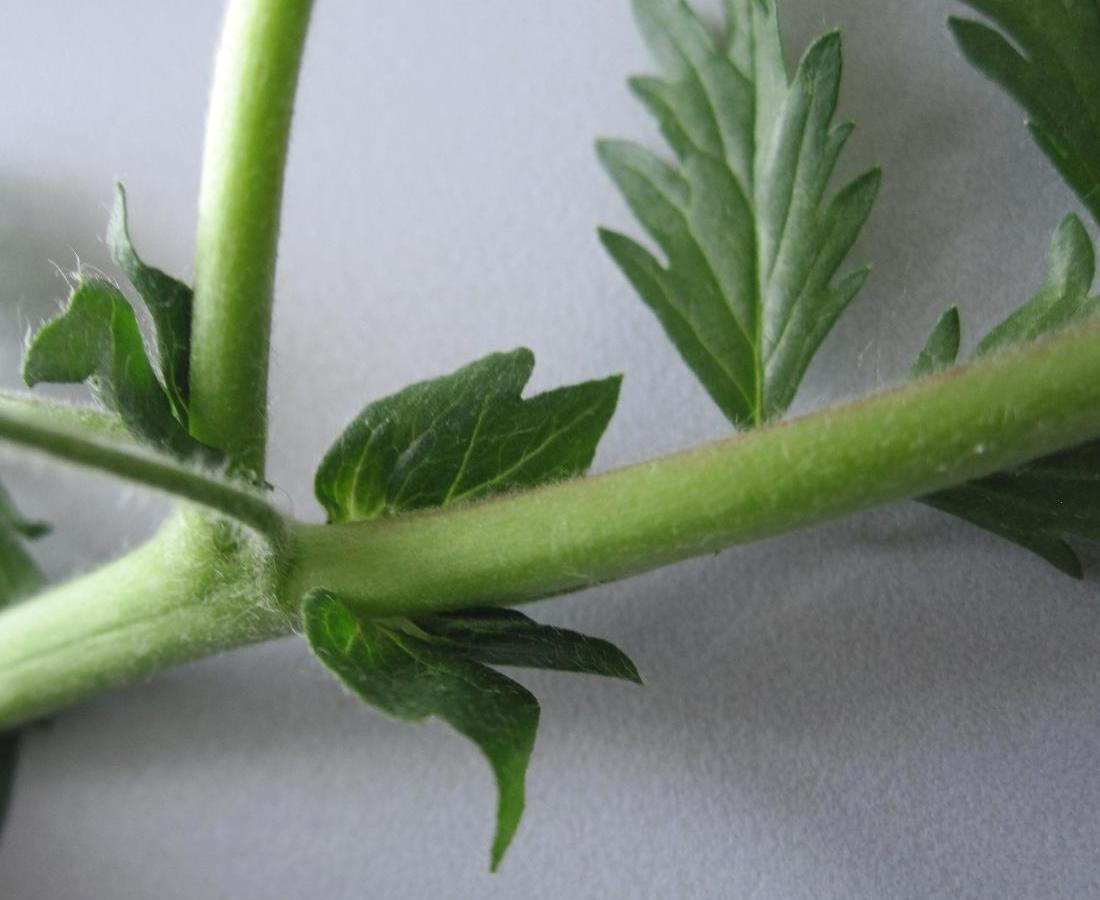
457,498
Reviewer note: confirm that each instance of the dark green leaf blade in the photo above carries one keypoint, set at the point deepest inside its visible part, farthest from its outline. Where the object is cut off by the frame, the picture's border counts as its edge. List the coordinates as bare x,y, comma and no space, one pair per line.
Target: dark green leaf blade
462,437
941,350
412,679
1047,56
506,637
1040,504
169,303
96,340
748,294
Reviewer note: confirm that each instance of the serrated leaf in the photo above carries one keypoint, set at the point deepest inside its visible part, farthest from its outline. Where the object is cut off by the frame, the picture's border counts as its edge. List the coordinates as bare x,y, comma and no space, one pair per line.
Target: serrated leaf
463,437
412,680
1039,504
1047,56
96,339
749,290
506,637
19,578
941,350
169,303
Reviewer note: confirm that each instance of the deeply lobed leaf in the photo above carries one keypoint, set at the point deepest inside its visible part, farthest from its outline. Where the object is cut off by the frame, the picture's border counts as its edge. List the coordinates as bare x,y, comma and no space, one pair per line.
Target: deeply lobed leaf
1038,504
749,290
1045,53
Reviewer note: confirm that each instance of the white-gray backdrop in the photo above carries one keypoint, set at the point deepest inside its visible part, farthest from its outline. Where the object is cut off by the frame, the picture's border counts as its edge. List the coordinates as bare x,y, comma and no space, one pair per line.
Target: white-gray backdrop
894,706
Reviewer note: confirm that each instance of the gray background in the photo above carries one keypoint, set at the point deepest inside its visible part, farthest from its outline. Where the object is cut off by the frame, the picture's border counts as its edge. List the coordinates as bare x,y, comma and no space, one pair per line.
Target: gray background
892,706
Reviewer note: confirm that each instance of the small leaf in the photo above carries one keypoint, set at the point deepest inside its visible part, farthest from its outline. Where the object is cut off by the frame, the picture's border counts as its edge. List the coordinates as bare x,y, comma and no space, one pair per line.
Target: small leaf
97,340
462,437
1039,504
752,246
506,637
411,679
942,348
1046,56
1064,299
168,301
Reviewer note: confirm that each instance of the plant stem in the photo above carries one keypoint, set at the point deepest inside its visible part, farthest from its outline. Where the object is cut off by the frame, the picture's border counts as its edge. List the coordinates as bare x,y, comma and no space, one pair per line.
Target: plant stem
44,428
108,628
248,129
931,434
196,588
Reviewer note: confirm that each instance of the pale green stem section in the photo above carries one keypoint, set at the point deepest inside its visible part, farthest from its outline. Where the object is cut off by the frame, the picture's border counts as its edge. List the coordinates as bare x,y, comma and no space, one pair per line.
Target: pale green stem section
187,597
908,442
78,418
196,588
248,129
50,430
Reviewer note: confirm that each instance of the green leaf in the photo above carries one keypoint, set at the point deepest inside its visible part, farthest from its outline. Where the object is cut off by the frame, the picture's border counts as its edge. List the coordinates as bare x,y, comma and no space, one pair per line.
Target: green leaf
97,340
942,348
506,637
1064,299
412,679
1047,56
169,304
752,246
1041,503
463,437
19,578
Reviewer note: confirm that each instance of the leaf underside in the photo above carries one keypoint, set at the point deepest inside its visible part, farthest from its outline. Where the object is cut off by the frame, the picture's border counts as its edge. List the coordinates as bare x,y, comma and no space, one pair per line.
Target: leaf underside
455,439
1045,53
1040,504
749,287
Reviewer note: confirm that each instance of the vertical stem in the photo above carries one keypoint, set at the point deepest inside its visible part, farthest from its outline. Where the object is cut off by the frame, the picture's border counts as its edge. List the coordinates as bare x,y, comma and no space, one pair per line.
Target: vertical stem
248,128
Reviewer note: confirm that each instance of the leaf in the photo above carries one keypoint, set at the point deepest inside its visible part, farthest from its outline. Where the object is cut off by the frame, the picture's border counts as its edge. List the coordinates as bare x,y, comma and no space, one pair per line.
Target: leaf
168,301
942,348
749,291
506,637
1047,56
413,680
463,437
97,340
1039,504
19,578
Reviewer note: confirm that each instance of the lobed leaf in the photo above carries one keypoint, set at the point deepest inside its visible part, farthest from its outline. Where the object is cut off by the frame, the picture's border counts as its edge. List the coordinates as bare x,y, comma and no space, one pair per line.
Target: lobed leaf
1045,53
412,680
96,339
752,246
169,303
1039,504
462,437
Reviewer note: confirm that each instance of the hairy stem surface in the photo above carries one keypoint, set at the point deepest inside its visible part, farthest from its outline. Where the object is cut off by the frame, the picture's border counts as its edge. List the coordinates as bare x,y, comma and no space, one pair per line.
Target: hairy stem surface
248,129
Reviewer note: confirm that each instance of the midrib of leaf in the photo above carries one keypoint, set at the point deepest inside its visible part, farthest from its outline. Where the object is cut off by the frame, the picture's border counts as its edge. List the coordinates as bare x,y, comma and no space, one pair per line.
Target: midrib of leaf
470,444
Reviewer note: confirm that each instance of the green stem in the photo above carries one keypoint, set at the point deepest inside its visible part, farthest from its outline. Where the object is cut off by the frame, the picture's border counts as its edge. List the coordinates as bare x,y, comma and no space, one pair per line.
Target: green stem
108,628
36,426
212,589
248,129
908,442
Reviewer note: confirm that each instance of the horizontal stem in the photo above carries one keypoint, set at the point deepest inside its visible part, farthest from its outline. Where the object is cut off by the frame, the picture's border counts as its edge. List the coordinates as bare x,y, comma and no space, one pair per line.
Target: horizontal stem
40,427
907,442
